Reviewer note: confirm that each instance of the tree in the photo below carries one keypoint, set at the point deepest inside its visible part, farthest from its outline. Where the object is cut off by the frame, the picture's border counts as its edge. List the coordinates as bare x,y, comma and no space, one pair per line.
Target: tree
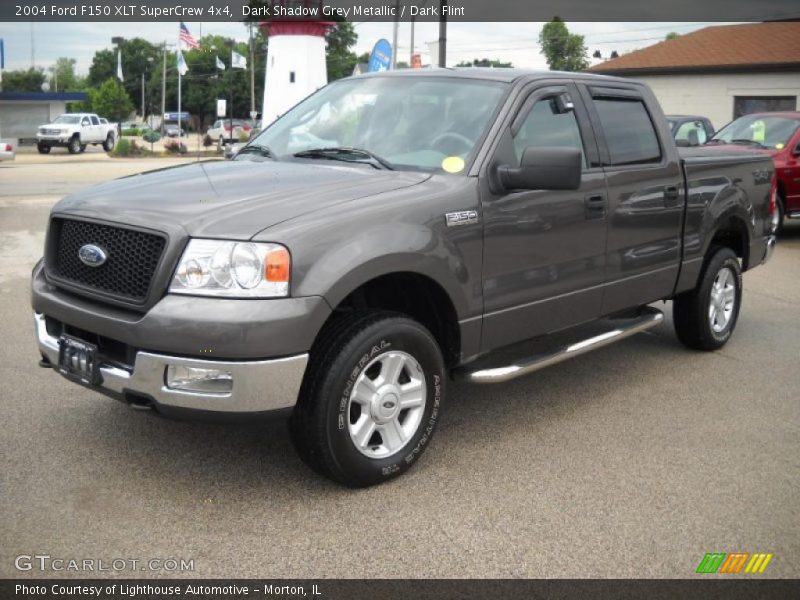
339,57
672,35
563,50
138,56
486,62
62,75
30,80
109,100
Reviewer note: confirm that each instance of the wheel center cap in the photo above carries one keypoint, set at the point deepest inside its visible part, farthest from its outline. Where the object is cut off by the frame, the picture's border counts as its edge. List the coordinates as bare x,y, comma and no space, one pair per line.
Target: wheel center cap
386,404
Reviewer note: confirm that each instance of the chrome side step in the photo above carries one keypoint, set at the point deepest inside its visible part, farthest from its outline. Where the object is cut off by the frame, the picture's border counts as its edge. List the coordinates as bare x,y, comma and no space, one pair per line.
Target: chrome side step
794,214
650,317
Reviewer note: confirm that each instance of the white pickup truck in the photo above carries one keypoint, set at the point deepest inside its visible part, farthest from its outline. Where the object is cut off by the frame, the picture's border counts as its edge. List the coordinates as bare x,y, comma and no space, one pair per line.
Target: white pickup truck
76,131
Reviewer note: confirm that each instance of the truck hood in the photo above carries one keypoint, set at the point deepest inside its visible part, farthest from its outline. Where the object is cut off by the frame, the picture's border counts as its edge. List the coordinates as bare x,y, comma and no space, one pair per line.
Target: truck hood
231,199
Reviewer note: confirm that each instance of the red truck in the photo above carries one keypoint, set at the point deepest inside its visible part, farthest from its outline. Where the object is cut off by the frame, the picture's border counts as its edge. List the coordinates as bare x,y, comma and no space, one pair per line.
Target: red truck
777,134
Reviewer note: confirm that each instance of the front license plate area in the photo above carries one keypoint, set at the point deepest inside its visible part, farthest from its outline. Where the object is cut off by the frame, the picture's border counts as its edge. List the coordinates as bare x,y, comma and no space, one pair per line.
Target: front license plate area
77,360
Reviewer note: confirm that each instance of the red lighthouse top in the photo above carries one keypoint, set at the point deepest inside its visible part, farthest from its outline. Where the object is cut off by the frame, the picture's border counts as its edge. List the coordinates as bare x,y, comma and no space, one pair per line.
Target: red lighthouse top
296,17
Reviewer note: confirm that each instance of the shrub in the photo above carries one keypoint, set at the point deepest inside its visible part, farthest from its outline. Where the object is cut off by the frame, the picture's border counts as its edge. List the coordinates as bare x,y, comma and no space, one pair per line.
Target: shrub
128,148
243,137
131,132
175,147
207,141
151,136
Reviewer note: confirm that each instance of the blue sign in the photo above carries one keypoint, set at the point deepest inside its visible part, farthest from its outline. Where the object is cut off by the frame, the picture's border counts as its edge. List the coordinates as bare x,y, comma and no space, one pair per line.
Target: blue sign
381,56
174,116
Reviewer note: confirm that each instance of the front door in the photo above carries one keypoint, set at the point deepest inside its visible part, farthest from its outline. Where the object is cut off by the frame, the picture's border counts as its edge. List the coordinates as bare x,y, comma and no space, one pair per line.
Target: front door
544,251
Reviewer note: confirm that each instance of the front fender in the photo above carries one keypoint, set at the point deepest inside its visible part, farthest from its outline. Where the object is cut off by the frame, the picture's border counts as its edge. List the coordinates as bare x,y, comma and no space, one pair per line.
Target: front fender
386,249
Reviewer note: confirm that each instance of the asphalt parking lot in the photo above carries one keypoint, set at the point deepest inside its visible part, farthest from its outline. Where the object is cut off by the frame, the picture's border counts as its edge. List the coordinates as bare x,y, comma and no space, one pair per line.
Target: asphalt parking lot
633,461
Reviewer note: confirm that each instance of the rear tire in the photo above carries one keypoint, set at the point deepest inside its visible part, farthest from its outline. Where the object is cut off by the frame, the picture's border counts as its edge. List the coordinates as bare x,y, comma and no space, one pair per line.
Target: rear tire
108,144
370,399
706,316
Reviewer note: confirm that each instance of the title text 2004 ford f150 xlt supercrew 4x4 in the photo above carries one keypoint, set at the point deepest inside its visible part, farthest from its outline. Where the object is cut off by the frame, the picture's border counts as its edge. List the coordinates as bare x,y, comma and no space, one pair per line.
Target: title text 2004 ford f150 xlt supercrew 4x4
389,232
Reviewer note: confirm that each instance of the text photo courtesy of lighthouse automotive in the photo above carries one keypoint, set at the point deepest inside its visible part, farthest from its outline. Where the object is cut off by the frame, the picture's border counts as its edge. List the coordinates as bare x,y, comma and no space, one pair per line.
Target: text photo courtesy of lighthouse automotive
287,291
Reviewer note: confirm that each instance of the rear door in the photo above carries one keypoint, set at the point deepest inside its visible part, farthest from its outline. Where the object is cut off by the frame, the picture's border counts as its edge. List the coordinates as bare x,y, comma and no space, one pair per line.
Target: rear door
645,194
544,250
97,129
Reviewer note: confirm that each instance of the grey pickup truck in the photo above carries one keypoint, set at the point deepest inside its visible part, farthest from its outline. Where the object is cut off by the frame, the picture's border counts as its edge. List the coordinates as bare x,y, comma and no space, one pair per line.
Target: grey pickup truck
389,233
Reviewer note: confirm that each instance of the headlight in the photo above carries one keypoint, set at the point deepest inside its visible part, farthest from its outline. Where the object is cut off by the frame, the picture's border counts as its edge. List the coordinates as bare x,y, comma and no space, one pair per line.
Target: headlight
232,270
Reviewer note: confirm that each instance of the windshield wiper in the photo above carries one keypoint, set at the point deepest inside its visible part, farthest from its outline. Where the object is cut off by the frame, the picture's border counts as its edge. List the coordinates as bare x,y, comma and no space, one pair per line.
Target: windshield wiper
347,155
748,142
258,149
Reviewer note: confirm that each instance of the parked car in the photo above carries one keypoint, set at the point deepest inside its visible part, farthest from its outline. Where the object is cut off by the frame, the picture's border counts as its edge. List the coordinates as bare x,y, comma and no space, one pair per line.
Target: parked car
690,130
75,131
7,150
479,224
776,134
173,130
220,131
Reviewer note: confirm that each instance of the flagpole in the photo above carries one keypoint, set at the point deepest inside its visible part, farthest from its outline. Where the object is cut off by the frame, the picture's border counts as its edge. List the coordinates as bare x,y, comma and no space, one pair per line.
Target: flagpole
179,91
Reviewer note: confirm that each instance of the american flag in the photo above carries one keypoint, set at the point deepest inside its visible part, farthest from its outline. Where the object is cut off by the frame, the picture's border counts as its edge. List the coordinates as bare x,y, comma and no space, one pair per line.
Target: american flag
187,37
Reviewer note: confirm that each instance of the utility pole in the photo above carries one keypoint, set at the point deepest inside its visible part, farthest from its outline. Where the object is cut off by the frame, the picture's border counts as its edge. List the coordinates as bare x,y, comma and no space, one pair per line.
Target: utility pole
394,33
442,34
142,96
411,52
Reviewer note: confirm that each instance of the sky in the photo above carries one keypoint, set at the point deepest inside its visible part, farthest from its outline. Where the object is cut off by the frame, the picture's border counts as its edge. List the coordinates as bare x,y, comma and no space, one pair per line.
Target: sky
514,42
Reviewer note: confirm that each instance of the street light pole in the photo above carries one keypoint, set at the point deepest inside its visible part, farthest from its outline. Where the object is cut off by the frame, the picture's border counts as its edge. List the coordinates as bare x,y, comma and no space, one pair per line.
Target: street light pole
442,34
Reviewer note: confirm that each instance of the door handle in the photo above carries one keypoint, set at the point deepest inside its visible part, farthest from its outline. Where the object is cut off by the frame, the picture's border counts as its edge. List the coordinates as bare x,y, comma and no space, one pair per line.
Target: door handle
671,196
595,206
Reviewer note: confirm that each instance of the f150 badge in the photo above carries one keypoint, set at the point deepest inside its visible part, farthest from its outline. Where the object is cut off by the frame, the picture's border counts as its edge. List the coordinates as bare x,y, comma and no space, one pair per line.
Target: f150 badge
462,217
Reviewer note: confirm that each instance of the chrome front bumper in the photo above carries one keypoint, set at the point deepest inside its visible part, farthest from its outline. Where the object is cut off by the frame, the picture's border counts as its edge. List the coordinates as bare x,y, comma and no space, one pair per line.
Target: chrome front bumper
769,248
258,386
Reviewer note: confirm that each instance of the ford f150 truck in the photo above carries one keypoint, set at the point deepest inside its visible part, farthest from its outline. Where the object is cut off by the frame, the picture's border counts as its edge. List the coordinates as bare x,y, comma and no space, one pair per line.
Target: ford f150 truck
388,233
76,131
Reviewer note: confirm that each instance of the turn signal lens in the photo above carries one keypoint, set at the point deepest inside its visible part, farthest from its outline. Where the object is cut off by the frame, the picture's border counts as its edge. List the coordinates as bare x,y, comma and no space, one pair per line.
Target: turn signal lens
276,267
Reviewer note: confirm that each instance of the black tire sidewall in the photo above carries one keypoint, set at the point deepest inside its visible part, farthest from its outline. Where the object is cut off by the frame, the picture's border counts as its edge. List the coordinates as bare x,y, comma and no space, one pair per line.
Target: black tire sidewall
74,146
394,335
108,145
723,259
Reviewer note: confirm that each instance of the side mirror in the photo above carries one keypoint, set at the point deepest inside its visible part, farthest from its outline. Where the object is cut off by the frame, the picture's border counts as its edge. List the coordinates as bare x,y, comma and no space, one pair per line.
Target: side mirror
796,150
682,143
547,168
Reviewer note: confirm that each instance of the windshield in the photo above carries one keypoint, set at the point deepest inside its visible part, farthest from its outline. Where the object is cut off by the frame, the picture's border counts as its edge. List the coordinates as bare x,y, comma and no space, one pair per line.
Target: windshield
763,130
411,123
68,119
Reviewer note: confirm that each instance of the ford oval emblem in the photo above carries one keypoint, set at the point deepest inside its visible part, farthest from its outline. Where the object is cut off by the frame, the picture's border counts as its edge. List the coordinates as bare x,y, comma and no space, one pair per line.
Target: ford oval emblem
92,256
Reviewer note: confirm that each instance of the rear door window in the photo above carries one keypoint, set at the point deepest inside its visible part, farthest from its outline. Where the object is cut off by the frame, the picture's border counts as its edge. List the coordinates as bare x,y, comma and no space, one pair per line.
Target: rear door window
629,132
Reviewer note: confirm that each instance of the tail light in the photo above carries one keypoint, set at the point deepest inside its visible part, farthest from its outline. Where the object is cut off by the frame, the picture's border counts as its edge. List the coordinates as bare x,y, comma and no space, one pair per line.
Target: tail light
7,147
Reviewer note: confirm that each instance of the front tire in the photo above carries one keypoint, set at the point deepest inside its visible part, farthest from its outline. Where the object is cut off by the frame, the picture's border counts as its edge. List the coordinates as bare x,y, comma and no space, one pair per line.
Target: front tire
74,145
370,400
43,148
706,316
780,212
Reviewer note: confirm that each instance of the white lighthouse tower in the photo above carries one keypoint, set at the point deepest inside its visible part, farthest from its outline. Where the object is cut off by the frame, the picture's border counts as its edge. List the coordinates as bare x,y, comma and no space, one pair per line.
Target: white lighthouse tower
295,58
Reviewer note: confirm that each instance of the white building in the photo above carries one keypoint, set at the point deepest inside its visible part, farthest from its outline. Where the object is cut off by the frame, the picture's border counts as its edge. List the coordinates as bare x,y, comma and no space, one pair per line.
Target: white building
720,72
21,113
